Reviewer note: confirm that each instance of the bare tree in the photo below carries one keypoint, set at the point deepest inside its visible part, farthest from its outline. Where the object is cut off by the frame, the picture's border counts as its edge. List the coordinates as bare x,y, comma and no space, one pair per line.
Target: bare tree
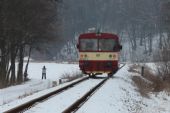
24,23
164,51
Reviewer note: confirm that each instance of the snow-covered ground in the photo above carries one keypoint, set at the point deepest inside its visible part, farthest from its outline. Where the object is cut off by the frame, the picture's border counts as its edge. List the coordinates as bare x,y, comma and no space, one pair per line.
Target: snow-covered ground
63,100
118,94
54,73
54,70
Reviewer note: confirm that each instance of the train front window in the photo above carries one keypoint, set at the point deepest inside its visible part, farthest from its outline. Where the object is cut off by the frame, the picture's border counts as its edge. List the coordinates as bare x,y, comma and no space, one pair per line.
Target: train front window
88,44
106,44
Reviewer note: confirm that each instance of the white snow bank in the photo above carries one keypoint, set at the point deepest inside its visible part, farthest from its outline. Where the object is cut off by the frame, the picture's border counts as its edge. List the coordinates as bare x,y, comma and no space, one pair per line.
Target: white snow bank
119,95
54,73
54,70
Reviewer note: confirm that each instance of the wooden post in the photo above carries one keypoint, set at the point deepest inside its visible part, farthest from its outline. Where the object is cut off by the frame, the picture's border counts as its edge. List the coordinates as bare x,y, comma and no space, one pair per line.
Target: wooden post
60,81
142,71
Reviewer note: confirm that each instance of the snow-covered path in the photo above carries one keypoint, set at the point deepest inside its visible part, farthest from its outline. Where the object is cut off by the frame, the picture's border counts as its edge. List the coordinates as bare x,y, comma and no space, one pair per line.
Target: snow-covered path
111,97
60,102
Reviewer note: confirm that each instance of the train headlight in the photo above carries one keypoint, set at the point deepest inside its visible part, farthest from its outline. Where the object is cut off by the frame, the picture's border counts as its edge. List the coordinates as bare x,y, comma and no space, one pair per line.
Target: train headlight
112,56
85,56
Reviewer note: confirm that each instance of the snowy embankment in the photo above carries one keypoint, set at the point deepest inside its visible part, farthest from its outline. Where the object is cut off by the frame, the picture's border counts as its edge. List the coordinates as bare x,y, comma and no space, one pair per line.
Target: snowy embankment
54,73
118,95
60,102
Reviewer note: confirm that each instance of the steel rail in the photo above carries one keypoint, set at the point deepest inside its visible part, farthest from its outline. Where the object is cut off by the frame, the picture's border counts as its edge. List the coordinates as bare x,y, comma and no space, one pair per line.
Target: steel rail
76,105
30,103
122,65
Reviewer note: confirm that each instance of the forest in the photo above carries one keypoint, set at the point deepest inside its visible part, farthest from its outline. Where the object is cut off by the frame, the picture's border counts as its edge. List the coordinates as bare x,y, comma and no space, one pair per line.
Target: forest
140,24
52,27
24,25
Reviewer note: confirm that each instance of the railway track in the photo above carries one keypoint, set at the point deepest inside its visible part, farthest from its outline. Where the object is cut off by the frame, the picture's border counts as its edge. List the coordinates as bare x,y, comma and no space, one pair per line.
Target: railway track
75,106
71,108
28,105
122,65
84,98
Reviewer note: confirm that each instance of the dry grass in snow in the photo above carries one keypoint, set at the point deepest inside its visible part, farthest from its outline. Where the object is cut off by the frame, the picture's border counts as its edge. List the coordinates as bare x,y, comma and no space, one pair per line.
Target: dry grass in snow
66,77
149,82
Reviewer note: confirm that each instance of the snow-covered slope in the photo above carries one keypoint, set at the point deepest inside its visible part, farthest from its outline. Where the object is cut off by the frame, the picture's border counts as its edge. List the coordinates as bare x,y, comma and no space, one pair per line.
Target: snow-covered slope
54,73
118,95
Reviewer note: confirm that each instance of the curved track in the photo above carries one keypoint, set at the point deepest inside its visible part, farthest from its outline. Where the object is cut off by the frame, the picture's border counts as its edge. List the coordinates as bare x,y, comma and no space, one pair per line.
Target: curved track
74,105
58,103
84,98
27,105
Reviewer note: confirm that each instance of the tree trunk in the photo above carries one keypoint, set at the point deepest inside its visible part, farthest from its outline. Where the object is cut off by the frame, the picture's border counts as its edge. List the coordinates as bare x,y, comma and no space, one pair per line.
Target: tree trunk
3,65
20,65
150,43
160,40
26,67
13,56
7,76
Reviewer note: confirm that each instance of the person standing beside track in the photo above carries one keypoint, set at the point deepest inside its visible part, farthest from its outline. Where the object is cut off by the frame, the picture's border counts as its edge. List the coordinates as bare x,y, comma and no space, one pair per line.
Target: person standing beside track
44,72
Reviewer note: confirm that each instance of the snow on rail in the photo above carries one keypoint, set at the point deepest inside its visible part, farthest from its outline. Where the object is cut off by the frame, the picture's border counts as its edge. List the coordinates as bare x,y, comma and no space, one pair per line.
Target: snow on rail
60,102
37,95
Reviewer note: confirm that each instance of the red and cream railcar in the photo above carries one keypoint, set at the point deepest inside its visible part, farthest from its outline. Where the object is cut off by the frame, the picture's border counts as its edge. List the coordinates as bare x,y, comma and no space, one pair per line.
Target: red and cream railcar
98,53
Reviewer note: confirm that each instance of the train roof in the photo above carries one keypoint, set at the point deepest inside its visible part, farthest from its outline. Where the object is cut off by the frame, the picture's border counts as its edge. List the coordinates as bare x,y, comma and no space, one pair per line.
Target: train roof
98,35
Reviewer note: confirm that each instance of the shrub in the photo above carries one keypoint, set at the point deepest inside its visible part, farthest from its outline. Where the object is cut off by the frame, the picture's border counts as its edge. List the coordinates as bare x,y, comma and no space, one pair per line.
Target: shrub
149,82
66,77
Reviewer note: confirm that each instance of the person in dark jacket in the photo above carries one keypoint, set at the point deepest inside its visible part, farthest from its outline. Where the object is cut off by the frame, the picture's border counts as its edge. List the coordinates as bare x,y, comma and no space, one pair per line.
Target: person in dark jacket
44,72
